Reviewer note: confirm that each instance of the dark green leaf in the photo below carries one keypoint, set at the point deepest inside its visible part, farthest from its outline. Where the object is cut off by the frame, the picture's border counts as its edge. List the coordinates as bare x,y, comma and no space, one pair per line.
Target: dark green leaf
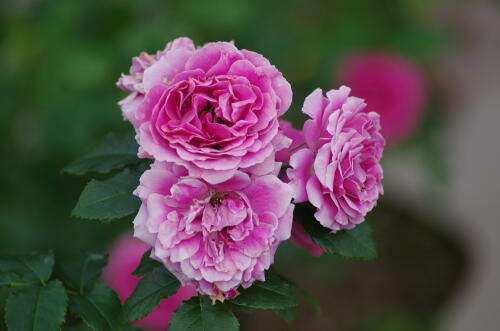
36,308
146,265
231,305
79,273
78,327
115,152
287,314
357,243
109,199
157,284
28,268
274,293
198,314
100,308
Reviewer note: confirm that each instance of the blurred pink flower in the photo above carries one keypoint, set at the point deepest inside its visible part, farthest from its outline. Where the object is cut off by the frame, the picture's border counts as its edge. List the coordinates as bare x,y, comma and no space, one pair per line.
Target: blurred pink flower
213,109
124,257
393,87
214,236
338,171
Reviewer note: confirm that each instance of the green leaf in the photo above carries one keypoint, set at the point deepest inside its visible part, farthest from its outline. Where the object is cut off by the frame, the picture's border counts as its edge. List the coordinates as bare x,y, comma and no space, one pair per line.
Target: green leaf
36,308
274,293
146,265
100,308
109,199
357,243
198,314
157,284
231,305
114,152
79,273
78,327
287,314
28,268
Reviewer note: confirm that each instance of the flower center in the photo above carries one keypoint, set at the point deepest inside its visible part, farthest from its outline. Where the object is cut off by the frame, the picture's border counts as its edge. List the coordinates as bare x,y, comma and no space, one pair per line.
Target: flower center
217,198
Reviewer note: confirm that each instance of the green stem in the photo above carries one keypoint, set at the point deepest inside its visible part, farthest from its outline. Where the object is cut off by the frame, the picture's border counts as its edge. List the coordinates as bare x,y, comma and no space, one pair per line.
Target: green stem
295,148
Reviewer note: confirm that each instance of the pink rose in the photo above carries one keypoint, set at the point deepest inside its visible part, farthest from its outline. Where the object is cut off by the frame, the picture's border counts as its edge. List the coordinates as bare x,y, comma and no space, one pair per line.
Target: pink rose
338,170
124,257
392,86
214,236
213,109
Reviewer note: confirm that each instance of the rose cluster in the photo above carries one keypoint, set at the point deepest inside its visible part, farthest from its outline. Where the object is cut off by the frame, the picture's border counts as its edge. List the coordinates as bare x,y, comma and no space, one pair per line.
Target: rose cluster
214,205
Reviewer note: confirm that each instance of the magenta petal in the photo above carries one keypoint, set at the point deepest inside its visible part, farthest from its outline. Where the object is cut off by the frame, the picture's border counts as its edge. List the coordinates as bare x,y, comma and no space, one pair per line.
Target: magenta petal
165,69
301,163
313,104
285,224
238,182
269,194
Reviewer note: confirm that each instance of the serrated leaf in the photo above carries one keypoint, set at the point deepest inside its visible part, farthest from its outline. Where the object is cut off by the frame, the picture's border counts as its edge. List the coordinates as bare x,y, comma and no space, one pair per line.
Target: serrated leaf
146,265
36,308
274,293
100,308
109,199
79,273
198,314
114,152
288,314
27,268
357,243
157,284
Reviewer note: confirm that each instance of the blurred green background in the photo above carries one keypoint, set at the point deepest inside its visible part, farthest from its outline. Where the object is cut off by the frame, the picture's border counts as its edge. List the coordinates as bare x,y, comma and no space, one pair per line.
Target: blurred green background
59,61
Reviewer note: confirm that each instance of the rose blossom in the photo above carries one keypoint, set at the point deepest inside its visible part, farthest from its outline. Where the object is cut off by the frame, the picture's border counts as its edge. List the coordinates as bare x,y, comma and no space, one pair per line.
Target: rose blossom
214,236
338,170
124,256
213,109
392,86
